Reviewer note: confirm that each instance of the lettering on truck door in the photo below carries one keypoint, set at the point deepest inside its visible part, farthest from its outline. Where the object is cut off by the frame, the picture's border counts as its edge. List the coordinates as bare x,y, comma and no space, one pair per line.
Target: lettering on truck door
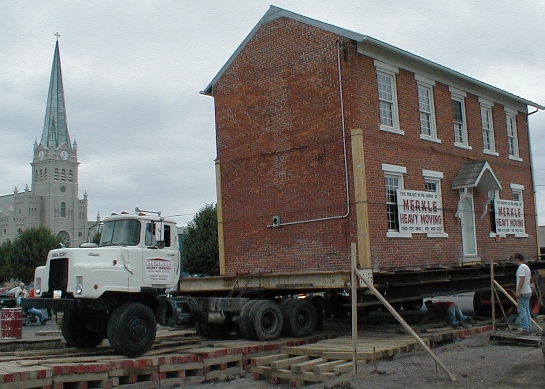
158,260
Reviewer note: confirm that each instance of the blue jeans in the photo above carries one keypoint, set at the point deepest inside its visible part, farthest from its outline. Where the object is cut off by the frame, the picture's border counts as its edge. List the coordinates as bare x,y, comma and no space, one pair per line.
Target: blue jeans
455,316
37,312
524,311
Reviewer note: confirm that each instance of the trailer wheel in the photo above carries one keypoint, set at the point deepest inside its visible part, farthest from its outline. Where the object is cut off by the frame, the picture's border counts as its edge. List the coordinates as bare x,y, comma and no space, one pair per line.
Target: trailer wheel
75,331
300,319
132,329
412,305
245,321
215,330
266,319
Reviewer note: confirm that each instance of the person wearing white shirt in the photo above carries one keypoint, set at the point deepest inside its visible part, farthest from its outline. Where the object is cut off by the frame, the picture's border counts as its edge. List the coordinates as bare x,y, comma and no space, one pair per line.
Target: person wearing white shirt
523,293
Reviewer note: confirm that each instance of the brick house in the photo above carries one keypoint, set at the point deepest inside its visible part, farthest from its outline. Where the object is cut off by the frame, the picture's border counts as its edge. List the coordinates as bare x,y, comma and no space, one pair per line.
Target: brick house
327,137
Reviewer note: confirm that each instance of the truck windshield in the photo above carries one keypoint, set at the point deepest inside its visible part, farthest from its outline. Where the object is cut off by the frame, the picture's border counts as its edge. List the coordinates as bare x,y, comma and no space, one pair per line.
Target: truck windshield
120,233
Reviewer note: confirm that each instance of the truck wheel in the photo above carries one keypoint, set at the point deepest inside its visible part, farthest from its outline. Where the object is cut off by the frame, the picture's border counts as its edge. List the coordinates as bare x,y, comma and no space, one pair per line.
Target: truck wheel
132,329
266,319
300,319
245,321
412,305
75,331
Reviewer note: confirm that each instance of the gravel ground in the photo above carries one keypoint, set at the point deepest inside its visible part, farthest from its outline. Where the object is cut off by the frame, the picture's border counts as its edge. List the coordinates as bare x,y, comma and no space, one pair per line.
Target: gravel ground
476,362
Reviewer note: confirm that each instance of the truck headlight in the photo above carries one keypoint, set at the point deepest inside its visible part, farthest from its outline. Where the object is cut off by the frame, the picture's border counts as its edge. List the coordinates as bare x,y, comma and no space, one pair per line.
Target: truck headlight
79,285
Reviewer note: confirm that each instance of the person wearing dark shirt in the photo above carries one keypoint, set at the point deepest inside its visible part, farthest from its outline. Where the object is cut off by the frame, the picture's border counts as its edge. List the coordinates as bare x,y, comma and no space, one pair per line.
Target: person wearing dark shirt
453,313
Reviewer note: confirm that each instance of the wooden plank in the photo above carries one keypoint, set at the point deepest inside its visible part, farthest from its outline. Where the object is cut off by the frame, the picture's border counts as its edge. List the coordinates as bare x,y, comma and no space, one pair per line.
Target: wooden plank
288,362
266,360
307,365
327,366
533,341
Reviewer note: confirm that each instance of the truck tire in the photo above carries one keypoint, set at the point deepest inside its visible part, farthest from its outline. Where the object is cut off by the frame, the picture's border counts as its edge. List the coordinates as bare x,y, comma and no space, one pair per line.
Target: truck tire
300,319
76,332
132,329
245,325
266,319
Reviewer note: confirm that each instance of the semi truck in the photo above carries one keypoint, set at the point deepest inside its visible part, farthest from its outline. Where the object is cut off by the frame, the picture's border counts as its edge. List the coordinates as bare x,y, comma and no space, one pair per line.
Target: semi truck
123,287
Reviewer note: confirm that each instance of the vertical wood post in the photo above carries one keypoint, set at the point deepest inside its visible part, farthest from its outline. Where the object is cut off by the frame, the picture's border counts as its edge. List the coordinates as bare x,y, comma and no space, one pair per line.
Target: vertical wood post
354,298
219,211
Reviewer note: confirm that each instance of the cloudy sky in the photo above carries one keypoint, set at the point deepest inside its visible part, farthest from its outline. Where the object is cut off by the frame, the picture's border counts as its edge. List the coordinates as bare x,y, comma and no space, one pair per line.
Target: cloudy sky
133,70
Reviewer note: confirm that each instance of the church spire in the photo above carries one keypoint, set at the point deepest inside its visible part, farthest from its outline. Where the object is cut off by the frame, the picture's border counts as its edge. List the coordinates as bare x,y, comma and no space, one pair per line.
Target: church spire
55,131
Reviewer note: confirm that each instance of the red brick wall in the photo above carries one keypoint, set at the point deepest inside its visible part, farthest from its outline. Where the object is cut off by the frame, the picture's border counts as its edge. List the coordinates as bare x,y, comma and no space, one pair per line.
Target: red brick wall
280,145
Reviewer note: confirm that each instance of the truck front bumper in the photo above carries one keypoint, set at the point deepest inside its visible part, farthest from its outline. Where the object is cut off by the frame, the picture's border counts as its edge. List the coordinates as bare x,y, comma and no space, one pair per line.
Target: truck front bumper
42,302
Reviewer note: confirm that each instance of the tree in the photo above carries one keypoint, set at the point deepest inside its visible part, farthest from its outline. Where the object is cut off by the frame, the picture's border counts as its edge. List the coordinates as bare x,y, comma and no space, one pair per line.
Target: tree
29,250
5,249
200,254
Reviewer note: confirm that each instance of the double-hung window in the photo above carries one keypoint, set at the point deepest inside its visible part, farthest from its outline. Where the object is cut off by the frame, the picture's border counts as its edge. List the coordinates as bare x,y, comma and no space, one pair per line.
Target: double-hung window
489,145
393,180
432,183
387,97
426,109
512,137
459,118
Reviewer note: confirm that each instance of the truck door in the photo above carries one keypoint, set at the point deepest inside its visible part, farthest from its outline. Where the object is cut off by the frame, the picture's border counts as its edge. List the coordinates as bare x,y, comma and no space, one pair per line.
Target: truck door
160,259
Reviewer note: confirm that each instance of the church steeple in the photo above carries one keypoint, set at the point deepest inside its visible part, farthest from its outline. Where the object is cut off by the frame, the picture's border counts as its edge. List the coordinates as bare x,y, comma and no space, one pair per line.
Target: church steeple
55,131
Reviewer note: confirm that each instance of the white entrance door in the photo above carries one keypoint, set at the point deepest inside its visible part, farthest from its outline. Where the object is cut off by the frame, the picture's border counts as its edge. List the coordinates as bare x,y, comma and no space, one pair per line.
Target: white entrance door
467,218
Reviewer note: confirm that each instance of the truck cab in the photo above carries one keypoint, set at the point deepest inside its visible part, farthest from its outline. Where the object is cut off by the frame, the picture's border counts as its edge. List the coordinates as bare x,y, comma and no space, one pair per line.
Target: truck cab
114,289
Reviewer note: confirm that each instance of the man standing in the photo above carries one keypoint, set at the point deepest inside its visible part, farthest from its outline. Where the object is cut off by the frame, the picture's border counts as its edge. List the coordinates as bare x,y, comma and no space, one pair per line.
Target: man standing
523,294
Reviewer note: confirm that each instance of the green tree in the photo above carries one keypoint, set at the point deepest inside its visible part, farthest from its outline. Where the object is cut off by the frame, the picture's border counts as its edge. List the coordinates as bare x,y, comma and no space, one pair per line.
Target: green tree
29,250
200,254
5,249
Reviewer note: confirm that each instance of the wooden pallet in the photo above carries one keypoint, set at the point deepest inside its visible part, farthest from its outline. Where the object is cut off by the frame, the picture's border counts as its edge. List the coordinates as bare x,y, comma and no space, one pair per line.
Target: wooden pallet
318,362
523,340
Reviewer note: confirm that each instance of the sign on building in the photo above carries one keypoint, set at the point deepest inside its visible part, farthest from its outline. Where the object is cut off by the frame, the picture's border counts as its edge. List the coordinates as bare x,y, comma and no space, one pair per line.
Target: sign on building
509,216
419,212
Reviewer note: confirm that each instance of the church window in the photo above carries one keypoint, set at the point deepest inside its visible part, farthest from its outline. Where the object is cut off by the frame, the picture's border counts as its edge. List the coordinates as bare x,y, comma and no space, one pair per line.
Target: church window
41,175
63,209
45,174
36,175
63,175
70,175
56,174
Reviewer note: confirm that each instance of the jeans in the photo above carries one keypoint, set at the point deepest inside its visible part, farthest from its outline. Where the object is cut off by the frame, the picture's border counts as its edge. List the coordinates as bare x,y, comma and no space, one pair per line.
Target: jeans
524,311
455,316
37,312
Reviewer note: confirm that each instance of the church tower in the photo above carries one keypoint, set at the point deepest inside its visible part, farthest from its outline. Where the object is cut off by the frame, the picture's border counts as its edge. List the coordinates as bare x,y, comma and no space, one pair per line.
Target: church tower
55,168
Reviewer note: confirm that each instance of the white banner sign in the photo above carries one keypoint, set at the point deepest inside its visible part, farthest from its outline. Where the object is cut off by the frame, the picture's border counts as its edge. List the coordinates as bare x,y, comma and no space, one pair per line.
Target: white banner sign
509,216
420,212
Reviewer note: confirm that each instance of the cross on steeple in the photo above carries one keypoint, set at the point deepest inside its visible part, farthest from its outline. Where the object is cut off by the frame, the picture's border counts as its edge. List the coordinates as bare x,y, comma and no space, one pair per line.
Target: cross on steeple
57,35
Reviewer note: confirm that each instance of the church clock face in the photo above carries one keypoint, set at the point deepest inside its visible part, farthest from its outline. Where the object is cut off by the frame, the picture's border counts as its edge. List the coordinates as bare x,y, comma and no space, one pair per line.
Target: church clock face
41,155
64,155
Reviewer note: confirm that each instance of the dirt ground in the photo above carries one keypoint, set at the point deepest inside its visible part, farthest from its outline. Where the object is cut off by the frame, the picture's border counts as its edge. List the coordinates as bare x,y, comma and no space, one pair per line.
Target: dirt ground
476,362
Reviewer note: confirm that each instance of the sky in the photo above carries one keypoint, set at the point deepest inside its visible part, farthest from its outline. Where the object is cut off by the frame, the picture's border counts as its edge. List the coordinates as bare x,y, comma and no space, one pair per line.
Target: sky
133,70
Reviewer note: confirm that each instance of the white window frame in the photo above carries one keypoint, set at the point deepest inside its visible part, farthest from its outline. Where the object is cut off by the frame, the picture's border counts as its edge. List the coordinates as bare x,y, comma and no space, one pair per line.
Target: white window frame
487,127
426,85
389,72
512,134
459,96
395,171
435,177
517,193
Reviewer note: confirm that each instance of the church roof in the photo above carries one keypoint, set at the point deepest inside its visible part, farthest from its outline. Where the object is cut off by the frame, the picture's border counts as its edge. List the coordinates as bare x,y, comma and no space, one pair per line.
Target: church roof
55,131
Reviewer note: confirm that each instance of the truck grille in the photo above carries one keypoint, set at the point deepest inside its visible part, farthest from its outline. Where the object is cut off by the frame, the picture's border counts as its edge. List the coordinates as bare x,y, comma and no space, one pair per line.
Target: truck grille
58,275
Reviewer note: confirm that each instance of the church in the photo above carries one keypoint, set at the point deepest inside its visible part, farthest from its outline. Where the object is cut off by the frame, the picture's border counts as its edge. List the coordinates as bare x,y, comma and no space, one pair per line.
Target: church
52,200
